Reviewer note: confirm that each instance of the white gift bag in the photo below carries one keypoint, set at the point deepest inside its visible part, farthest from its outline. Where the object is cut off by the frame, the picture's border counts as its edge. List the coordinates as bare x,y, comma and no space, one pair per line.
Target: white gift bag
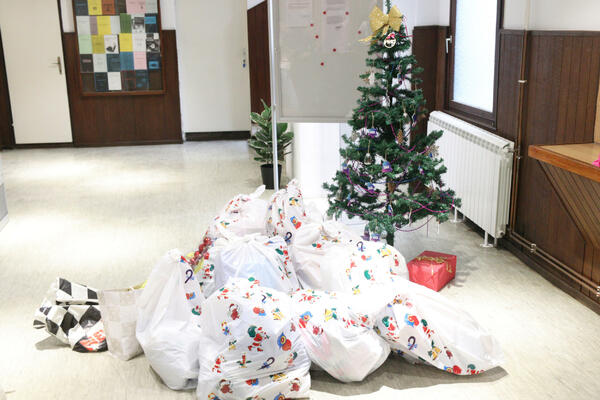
265,259
167,327
119,316
338,340
422,324
244,214
286,212
330,257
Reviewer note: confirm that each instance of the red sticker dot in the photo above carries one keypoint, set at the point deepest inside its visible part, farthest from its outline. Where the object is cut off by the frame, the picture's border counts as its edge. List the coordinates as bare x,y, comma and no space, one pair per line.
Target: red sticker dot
312,25
316,36
324,12
347,13
322,64
359,32
334,50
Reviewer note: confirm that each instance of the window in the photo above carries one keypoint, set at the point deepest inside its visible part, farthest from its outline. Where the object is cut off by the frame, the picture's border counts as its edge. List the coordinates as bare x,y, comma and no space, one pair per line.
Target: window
473,59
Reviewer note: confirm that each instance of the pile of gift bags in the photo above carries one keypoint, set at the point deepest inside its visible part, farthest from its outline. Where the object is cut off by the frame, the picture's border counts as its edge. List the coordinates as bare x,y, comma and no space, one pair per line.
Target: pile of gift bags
274,287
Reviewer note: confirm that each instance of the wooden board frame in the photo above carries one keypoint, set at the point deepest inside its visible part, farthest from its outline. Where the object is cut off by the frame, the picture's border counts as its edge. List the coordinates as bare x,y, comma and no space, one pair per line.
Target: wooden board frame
123,93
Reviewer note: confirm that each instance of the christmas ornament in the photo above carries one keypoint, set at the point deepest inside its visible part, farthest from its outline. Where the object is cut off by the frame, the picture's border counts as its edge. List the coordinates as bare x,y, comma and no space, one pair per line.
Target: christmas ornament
380,21
368,158
375,237
345,168
366,234
339,196
372,133
433,151
370,188
370,79
390,40
390,209
384,235
386,166
354,136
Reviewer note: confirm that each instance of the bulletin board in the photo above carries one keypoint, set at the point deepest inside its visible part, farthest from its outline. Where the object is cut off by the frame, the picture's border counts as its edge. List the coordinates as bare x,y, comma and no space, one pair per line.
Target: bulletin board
319,57
119,47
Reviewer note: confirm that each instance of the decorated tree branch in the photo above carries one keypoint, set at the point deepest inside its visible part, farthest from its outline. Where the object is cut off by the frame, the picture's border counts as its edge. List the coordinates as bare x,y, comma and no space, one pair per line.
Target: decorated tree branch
391,175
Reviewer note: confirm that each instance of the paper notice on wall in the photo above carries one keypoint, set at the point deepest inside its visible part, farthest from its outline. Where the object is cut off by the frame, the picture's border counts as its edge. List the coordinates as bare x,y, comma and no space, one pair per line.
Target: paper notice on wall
125,42
139,60
83,25
93,25
152,6
111,44
139,41
299,13
136,6
100,63
335,26
104,25
85,44
98,44
95,7
114,81
115,24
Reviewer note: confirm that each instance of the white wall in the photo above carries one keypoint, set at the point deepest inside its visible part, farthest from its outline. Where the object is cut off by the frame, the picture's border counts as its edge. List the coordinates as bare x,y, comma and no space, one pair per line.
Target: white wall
424,12
315,155
167,14
212,38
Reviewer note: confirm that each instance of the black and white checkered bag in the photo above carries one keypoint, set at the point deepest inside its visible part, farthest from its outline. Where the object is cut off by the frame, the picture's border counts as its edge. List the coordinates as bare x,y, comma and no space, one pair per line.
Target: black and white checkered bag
70,313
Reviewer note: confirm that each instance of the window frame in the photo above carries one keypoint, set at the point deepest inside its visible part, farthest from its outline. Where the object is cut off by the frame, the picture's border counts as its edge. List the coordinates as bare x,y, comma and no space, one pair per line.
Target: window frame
472,114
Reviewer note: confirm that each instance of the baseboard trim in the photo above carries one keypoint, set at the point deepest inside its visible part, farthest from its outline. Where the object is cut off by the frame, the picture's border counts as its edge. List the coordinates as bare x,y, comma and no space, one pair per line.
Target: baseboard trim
131,143
549,273
39,145
224,135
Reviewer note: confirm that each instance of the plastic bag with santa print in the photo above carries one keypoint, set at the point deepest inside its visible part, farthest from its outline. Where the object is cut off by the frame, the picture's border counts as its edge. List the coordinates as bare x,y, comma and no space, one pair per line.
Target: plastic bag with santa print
420,323
286,212
337,339
250,346
330,257
263,258
244,214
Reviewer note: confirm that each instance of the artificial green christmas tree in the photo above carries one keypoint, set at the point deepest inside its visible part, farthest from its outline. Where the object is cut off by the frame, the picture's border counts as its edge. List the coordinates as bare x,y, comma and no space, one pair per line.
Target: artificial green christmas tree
391,175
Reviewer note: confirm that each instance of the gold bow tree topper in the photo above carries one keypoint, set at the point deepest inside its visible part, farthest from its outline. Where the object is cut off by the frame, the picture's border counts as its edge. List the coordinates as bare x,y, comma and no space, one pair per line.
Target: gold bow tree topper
382,22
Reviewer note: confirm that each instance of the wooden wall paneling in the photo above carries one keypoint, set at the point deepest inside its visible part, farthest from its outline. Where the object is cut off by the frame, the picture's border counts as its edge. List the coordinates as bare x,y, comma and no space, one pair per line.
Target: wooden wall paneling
428,47
559,108
124,120
597,124
258,56
509,73
442,66
7,137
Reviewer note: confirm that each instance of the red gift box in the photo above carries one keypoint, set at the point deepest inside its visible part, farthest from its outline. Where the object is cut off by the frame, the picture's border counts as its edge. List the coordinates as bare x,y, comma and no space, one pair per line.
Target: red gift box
433,270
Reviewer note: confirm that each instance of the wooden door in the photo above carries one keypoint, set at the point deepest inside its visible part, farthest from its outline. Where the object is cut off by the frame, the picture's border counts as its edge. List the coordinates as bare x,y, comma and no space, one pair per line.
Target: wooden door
7,137
258,56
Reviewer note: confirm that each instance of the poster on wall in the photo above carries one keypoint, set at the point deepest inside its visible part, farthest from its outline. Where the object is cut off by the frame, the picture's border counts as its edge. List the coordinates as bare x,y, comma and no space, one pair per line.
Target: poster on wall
120,48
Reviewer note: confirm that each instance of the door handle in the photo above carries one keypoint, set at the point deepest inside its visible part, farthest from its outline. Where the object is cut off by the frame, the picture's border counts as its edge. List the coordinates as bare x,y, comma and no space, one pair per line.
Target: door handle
59,65
448,41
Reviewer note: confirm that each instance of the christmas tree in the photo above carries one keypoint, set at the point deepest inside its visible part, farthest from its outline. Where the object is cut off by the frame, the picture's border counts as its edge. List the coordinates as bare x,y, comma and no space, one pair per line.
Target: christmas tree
391,174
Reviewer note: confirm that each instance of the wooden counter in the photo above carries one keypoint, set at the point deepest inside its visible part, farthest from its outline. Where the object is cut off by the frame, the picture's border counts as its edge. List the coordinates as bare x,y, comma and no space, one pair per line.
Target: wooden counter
576,181
575,158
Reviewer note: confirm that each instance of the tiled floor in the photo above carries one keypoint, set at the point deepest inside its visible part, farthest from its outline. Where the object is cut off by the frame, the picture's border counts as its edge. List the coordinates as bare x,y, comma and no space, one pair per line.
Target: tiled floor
103,216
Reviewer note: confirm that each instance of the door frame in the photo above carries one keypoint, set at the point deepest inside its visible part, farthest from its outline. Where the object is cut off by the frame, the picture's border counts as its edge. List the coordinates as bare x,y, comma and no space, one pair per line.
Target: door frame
7,136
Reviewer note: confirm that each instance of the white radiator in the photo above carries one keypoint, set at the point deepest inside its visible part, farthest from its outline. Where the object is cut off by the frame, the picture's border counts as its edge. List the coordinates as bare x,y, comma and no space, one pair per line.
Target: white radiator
479,170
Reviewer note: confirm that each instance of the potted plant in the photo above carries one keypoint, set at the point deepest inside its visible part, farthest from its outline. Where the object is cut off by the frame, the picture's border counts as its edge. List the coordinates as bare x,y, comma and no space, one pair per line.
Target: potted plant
262,144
